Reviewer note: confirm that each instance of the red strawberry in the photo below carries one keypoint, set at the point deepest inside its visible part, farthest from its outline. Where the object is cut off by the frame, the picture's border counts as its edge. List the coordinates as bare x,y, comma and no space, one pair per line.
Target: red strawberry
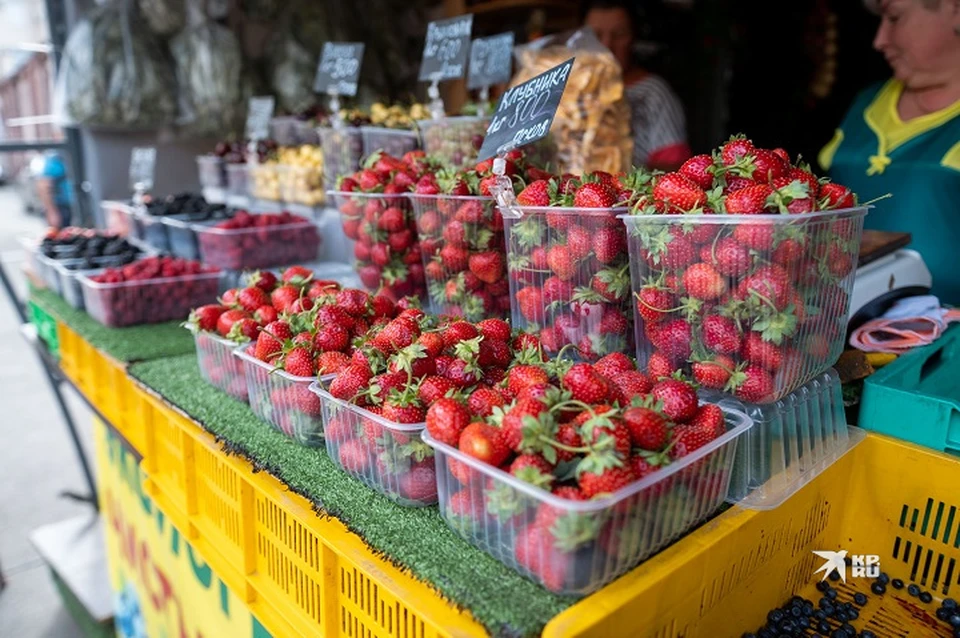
488,266
648,428
673,339
561,262
397,334
757,236
767,166
679,193
771,283
836,196
244,329
420,483
688,438
533,469
536,194
609,244
645,465
484,442
659,366
296,275
756,385
679,399
511,427
680,253
782,154
710,418
483,400
788,252
585,384
702,281
355,456
750,200
331,337
530,302
299,362
433,388
458,331
226,320
632,383
494,329
612,427
613,364
594,195
331,362
403,412
735,148
579,242
205,318
720,334
654,303
306,401
283,297
265,315
556,290
534,552
762,353
607,482
696,169
350,381
731,257
264,280
713,373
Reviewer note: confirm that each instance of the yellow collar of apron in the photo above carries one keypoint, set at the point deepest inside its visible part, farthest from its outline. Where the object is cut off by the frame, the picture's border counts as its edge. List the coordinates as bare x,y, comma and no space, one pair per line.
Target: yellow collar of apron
892,132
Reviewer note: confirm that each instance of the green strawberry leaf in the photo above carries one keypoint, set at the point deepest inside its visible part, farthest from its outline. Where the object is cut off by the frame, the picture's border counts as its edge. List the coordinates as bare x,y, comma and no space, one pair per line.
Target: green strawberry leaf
573,529
528,232
504,502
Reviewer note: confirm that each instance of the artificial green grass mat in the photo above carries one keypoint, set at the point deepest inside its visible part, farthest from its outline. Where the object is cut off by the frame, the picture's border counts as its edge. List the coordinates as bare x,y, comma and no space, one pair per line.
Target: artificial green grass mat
136,343
416,539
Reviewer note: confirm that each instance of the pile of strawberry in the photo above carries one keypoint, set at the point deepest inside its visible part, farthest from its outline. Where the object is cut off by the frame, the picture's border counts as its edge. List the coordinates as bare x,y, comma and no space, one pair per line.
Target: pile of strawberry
756,308
462,239
248,241
400,370
579,431
376,214
151,290
569,268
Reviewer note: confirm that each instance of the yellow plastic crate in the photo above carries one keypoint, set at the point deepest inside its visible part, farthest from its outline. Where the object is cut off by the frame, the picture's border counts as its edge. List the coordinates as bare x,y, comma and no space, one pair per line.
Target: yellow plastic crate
885,497
105,383
300,574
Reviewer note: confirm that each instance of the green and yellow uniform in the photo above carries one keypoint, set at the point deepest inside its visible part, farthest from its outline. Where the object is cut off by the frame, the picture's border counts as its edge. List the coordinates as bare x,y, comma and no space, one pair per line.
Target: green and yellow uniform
874,152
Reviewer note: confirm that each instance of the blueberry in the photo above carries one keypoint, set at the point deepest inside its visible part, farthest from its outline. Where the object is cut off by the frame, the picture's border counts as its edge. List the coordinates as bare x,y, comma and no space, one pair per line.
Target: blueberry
839,633
897,583
860,599
831,594
913,590
954,620
766,632
866,633
943,614
748,635
823,627
853,614
827,607
823,585
788,627
774,616
803,623
878,588
834,576
820,614
796,600
808,608
956,633
847,627
949,603
841,616
883,578
926,597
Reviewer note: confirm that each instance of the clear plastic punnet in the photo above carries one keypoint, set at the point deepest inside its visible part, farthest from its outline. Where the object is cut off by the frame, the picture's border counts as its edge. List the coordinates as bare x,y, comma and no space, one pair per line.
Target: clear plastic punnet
237,180
792,441
258,246
386,248
69,272
387,456
455,140
283,400
577,547
211,171
760,300
342,150
392,141
218,366
464,255
148,301
570,278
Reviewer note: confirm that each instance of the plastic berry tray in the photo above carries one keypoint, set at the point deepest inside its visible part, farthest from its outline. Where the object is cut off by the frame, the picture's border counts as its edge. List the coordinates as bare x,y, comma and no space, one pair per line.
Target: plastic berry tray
218,366
570,278
342,150
455,140
463,248
283,400
792,441
70,288
392,141
589,543
258,246
386,456
147,301
236,180
772,291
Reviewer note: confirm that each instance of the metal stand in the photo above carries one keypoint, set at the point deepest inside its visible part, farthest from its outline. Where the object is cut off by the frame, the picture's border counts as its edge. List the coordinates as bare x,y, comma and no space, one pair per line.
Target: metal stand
55,380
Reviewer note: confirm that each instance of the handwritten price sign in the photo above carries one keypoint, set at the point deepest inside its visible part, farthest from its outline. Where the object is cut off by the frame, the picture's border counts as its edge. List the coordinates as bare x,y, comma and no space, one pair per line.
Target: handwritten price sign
526,111
445,50
491,61
259,113
339,68
143,162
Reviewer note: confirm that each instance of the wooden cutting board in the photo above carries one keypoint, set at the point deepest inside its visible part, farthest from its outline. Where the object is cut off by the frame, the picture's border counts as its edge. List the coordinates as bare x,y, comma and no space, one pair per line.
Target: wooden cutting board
877,243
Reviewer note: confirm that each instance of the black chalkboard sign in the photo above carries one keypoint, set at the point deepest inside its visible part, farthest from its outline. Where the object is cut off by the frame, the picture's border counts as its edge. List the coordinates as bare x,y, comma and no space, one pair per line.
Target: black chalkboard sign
525,112
339,68
445,49
259,113
491,60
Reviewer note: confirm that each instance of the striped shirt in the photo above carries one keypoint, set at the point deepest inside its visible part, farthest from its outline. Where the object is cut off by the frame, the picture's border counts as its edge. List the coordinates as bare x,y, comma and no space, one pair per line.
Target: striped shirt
657,118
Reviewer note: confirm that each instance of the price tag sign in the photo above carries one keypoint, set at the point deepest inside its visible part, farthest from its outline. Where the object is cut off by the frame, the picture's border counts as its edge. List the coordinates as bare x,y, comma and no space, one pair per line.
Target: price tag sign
445,50
491,61
259,113
525,112
143,162
339,68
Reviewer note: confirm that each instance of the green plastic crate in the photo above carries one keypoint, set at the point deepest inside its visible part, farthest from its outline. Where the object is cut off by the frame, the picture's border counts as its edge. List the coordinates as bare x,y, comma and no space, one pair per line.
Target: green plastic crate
46,327
917,397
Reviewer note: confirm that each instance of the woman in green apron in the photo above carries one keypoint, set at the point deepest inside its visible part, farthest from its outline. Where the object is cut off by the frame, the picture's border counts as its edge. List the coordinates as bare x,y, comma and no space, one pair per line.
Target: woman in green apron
903,137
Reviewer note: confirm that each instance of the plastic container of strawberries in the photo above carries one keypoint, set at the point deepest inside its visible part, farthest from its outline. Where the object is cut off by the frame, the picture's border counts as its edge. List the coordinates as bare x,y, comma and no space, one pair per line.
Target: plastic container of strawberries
454,140
770,292
387,253
283,400
157,300
562,287
792,441
392,141
463,246
218,366
386,456
342,150
594,541
258,246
